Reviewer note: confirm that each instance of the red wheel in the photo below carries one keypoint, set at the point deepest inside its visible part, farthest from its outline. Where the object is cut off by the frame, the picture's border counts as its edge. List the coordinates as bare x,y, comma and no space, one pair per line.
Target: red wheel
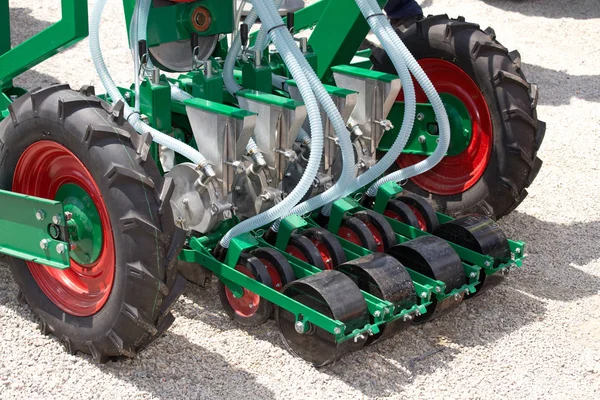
249,309
329,247
425,213
380,229
455,174
356,231
303,249
278,266
47,169
398,211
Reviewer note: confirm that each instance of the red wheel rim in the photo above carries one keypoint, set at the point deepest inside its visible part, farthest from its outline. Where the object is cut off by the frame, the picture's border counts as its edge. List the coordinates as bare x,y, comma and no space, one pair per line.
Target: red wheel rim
325,254
79,290
296,252
456,174
274,274
346,233
377,236
247,305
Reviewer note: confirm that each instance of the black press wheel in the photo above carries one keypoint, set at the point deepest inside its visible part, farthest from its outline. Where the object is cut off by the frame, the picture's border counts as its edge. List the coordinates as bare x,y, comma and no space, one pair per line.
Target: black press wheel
385,278
491,174
399,211
278,266
434,258
305,250
424,211
356,231
328,245
380,228
117,294
334,295
249,309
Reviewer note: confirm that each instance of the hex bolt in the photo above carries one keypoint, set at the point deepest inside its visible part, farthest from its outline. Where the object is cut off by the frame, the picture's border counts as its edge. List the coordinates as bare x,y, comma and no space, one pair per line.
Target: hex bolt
423,295
61,248
438,289
299,326
457,297
40,215
518,250
472,275
336,330
56,219
386,311
68,215
420,116
251,305
487,263
422,139
377,314
44,244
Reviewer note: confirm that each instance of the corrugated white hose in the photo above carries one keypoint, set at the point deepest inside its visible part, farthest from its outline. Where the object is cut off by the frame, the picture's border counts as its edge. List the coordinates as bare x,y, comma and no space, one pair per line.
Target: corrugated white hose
314,162
112,90
371,9
348,171
409,111
262,40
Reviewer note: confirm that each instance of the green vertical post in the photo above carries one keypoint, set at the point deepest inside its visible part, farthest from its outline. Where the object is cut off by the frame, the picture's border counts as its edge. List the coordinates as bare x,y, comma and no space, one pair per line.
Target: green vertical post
5,44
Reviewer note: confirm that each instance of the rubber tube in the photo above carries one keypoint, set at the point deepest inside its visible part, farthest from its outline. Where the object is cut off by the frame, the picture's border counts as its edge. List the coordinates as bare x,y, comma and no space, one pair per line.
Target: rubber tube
112,90
316,125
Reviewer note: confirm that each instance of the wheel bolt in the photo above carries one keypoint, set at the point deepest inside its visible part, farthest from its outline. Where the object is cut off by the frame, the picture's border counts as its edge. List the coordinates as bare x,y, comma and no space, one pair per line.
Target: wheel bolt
40,215
44,244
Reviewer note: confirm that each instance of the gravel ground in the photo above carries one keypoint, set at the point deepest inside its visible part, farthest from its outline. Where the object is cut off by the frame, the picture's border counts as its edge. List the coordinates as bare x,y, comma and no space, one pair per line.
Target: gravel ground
536,336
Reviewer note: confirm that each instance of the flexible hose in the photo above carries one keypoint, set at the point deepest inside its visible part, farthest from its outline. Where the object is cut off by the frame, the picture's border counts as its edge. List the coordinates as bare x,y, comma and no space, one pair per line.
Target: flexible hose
112,90
316,125
397,59
372,11
348,170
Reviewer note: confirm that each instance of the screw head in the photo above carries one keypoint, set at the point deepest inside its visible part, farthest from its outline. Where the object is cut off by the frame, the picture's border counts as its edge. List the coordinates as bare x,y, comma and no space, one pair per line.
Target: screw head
56,219
251,305
377,314
438,289
299,326
40,215
423,295
44,244
517,250
422,139
472,275
420,116
487,263
337,331
61,248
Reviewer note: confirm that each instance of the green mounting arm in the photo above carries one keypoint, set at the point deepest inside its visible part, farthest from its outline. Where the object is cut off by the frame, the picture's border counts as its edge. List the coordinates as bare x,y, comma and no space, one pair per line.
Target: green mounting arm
69,30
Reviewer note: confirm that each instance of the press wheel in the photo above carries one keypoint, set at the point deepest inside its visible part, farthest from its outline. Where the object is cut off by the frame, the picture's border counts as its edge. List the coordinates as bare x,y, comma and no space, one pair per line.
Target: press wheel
385,278
380,228
303,249
424,212
328,245
356,231
401,212
334,295
279,268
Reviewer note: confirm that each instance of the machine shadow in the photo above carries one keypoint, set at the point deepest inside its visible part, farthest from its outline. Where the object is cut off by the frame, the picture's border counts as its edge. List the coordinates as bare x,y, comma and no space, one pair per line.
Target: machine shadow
576,9
171,364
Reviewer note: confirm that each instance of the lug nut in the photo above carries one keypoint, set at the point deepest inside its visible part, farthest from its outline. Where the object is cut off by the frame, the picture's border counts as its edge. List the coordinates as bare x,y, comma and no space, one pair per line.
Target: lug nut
40,215
44,244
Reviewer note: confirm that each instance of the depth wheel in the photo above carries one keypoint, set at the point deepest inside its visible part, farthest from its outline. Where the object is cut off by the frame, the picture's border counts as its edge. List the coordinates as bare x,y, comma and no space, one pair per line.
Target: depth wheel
386,278
465,63
399,211
480,234
434,258
249,309
334,295
357,232
303,249
424,212
328,245
380,229
117,294
278,266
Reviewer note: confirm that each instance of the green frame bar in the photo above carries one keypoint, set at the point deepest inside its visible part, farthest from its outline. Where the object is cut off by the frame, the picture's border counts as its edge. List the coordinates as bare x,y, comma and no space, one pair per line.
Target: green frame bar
69,30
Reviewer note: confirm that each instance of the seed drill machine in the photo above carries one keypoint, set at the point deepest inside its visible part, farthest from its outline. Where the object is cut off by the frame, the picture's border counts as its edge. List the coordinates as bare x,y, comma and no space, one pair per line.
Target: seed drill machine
346,193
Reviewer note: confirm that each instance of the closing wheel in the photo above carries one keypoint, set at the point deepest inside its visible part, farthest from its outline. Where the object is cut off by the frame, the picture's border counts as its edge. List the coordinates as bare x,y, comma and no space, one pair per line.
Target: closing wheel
424,212
401,212
380,229
303,249
329,246
249,309
386,278
434,258
278,266
357,232
116,296
481,234
334,295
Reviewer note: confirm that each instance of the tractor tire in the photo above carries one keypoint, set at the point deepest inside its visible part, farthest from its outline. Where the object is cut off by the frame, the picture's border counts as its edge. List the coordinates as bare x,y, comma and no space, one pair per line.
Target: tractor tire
491,176
57,136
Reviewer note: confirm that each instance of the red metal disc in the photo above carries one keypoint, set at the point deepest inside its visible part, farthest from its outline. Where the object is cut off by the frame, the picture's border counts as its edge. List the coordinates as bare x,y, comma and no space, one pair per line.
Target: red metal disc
325,254
247,305
296,252
346,233
456,174
377,236
275,278
394,215
79,290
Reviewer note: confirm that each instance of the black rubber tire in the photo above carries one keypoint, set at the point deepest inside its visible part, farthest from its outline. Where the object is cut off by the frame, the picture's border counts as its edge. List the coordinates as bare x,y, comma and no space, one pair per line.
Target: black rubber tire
365,236
279,262
403,212
378,222
331,243
147,243
264,309
423,207
308,249
512,101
